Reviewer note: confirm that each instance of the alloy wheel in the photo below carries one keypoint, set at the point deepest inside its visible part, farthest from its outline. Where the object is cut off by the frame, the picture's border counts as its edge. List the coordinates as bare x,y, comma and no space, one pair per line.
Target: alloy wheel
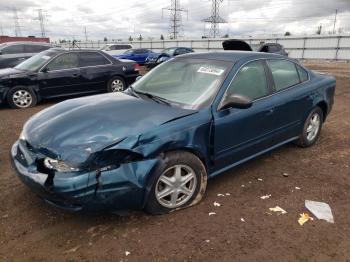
117,85
175,186
313,127
22,98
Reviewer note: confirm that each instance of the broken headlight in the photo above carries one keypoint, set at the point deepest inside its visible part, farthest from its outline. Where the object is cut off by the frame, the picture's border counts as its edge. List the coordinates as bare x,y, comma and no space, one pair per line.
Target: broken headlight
58,165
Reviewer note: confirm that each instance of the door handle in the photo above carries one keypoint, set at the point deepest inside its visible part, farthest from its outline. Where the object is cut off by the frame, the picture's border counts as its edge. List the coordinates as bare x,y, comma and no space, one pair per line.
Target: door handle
270,111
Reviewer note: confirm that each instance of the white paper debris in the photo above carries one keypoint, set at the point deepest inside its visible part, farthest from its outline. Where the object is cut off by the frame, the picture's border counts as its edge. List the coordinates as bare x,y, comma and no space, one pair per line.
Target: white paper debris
127,253
265,197
297,188
278,209
212,213
220,195
260,179
216,204
242,219
242,185
320,210
207,240
285,174
227,194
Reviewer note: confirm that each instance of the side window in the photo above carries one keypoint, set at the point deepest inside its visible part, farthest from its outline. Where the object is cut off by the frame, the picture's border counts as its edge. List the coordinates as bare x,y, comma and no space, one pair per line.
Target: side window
250,81
92,59
65,61
302,74
284,73
13,49
35,48
274,48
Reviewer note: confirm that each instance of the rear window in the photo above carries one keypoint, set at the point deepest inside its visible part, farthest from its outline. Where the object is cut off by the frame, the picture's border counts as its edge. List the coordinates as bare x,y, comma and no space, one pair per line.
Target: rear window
35,48
284,73
92,59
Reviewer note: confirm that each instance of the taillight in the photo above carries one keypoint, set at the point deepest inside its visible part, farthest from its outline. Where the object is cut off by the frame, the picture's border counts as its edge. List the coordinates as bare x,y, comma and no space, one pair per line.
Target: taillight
137,67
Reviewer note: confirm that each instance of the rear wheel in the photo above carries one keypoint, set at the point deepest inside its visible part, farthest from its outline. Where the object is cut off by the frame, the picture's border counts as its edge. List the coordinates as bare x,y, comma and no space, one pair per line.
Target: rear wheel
116,84
312,128
181,182
21,97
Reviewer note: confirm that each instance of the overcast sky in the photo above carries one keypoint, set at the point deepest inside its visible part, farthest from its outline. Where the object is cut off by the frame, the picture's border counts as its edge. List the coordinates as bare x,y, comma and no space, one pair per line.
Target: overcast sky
116,19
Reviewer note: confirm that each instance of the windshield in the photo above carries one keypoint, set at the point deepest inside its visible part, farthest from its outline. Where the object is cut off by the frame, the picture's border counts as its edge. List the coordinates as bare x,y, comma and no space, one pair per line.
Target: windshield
37,61
169,51
255,47
188,83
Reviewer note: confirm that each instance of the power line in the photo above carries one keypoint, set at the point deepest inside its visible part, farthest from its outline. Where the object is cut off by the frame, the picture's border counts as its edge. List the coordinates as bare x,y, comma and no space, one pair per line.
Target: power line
175,17
215,19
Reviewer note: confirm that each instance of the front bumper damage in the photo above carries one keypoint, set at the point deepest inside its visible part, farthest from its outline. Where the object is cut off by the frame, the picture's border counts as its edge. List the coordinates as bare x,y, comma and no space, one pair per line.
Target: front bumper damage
122,188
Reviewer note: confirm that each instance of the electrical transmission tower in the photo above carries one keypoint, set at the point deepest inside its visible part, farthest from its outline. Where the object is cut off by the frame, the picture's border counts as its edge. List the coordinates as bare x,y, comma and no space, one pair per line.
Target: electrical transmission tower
16,20
175,17
41,18
215,19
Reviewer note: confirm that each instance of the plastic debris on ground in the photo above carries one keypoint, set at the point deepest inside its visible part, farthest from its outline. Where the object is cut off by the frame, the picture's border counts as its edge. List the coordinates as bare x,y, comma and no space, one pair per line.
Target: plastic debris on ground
216,204
297,188
227,194
242,219
278,210
304,217
127,253
72,250
207,240
220,195
242,185
211,213
285,174
265,197
320,210
260,179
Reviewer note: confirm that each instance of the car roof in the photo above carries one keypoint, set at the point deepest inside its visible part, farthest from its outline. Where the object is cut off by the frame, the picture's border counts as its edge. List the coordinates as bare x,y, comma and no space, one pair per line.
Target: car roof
231,56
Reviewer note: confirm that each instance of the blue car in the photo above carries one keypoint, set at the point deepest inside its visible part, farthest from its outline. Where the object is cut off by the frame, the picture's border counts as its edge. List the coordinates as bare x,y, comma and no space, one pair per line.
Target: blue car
157,58
153,146
137,55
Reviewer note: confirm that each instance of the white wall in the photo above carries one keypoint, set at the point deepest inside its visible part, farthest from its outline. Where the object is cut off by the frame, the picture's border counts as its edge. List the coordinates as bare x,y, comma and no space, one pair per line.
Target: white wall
335,47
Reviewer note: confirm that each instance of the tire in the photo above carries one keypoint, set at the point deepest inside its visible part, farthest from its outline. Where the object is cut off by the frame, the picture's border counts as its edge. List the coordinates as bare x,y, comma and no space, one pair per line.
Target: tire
312,128
116,84
162,198
21,98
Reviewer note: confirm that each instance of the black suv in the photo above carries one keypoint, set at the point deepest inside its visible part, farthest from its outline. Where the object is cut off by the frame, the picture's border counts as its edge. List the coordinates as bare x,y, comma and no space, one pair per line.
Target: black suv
13,53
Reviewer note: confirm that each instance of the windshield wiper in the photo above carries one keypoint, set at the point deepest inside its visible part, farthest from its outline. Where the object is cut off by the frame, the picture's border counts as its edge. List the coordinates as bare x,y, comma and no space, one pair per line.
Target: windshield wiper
155,98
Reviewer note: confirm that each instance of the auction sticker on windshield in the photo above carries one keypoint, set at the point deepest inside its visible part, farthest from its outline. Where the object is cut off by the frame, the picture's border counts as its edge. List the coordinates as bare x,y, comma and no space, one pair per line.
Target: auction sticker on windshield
212,70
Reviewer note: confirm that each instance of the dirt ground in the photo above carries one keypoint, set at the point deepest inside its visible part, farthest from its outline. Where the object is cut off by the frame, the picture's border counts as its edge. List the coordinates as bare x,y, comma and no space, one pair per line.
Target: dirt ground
30,230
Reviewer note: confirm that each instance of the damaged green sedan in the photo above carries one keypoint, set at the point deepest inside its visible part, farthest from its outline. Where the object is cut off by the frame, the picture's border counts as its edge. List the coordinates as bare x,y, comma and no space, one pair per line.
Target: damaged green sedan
153,146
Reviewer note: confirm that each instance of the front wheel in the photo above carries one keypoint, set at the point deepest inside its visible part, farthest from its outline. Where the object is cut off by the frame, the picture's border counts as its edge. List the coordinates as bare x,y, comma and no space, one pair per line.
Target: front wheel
116,84
180,182
312,128
21,97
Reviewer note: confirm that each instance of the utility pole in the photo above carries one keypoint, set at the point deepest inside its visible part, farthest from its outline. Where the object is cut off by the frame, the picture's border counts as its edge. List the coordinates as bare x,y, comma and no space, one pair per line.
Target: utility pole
16,21
215,19
2,30
335,20
86,35
175,17
41,18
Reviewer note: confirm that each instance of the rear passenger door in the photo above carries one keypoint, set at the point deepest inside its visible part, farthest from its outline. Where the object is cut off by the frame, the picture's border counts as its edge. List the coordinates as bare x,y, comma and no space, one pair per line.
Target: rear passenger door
291,98
95,71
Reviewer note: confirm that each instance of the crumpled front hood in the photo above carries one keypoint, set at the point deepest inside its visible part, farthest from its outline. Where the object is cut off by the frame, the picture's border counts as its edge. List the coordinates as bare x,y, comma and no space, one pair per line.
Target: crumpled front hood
74,129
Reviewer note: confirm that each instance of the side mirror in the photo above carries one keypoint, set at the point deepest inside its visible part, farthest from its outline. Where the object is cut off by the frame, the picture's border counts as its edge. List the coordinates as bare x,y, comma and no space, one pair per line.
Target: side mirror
45,69
138,78
236,101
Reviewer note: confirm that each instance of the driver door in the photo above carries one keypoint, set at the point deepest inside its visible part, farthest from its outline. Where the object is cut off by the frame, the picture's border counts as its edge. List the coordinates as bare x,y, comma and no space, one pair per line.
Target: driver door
242,133
61,76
